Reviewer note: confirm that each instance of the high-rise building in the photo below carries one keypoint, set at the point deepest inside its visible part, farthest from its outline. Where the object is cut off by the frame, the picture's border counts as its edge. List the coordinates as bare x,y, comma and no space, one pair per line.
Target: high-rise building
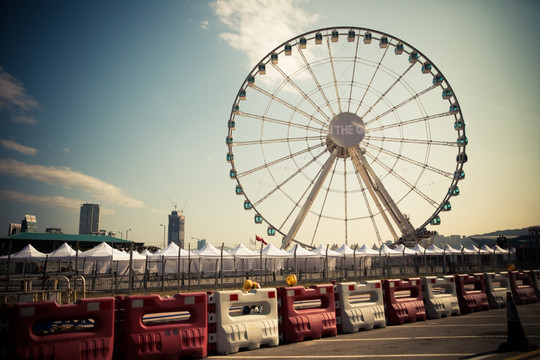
89,220
29,224
177,223
14,228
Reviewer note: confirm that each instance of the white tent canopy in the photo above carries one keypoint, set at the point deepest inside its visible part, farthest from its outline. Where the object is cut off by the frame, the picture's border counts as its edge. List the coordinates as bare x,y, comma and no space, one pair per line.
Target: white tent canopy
403,250
345,250
171,252
321,250
364,250
209,251
242,252
64,252
386,251
271,251
301,252
29,253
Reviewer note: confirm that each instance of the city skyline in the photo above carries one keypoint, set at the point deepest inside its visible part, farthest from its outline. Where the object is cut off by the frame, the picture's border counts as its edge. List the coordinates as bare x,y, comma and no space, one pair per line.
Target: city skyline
126,105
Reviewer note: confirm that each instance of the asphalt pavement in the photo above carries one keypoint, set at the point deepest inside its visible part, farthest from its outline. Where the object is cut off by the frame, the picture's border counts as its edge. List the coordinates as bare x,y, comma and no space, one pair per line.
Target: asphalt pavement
471,336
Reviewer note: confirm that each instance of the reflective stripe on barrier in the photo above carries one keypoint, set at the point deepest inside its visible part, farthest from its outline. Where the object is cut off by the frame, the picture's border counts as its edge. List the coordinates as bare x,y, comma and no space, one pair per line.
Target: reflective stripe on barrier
497,284
408,307
440,298
471,298
46,330
157,328
359,306
302,320
521,284
258,326
536,282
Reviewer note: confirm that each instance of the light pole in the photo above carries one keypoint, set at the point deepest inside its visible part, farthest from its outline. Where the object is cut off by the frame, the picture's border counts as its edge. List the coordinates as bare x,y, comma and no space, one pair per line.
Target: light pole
127,231
163,234
121,234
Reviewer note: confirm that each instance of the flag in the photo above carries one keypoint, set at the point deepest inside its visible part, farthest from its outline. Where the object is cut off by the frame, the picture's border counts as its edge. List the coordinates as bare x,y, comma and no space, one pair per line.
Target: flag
258,238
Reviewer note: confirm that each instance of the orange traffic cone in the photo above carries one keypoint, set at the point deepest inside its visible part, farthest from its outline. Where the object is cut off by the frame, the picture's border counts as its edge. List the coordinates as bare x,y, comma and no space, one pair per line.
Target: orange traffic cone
517,341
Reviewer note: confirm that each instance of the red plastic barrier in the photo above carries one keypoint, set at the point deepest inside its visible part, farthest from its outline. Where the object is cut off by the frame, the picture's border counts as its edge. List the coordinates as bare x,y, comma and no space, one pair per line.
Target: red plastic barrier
46,330
522,287
7,314
471,299
298,324
402,309
158,328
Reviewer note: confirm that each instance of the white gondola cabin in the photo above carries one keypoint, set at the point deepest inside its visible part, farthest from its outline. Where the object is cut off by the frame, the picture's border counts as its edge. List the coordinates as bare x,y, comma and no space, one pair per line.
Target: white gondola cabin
454,190
238,190
351,36
247,205
318,38
459,175
231,124
274,58
232,174
229,140
413,57
438,80
335,36
230,157
383,43
435,221
242,94
262,69
462,141
271,231
447,94
462,158
399,49
303,42
459,124
258,219
447,206
368,37
251,80
288,50
454,109
426,68
236,109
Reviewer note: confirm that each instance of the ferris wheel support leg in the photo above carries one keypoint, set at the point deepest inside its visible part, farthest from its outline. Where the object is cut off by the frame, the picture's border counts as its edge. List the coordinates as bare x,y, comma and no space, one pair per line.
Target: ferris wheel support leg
401,221
353,152
309,201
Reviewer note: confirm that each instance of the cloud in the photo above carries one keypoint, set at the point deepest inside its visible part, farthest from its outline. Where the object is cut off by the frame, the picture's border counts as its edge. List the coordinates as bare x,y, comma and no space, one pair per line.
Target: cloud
70,179
259,26
50,201
15,146
25,120
204,24
13,95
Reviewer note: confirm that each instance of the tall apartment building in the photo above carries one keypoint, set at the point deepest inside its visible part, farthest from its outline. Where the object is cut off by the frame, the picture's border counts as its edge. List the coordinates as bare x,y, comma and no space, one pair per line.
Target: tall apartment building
177,224
29,224
89,219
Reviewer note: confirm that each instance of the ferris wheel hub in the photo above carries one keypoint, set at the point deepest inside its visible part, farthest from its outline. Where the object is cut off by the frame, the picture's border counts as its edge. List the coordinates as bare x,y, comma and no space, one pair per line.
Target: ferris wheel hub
347,129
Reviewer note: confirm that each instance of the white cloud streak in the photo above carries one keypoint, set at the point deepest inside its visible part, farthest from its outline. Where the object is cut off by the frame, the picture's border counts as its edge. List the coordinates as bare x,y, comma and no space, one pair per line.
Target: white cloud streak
204,24
24,120
49,201
13,95
259,26
15,146
70,179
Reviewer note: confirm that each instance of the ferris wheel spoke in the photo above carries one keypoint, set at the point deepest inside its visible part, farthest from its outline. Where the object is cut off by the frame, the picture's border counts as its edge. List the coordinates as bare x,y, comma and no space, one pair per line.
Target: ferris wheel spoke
411,141
280,122
408,184
316,81
277,141
397,81
371,81
408,122
353,75
394,108
309,200
277,161
258,202
410,161
304,95
290,106
333,73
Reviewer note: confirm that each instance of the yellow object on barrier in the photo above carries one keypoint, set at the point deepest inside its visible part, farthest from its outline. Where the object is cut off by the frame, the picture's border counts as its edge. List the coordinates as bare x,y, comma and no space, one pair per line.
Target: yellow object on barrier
249,284
511,267
291,280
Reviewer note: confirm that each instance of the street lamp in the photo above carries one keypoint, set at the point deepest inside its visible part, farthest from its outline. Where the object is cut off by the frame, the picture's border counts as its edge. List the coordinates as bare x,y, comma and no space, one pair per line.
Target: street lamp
127,231
121,234
163,234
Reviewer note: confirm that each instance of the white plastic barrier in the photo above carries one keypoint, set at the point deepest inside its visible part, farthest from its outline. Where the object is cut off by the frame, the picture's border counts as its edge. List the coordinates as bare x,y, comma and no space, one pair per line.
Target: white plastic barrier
235,331
440,298
497,285
359,306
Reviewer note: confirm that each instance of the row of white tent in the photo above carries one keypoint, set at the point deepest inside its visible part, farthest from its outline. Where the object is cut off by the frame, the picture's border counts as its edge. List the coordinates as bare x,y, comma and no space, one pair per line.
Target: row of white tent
103,251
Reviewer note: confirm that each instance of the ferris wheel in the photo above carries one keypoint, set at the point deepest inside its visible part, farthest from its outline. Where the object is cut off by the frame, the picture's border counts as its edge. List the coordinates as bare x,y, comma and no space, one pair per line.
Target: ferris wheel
346,135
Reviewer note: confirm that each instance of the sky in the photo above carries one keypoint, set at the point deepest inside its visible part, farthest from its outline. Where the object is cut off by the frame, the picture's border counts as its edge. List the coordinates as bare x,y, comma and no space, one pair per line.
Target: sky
126,104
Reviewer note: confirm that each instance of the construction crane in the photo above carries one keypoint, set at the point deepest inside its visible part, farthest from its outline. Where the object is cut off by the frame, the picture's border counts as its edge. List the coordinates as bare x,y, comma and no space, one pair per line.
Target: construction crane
176,206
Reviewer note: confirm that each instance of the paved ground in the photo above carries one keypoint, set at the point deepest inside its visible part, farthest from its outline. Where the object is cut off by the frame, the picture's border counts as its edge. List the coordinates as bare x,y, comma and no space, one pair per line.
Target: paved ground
471,336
